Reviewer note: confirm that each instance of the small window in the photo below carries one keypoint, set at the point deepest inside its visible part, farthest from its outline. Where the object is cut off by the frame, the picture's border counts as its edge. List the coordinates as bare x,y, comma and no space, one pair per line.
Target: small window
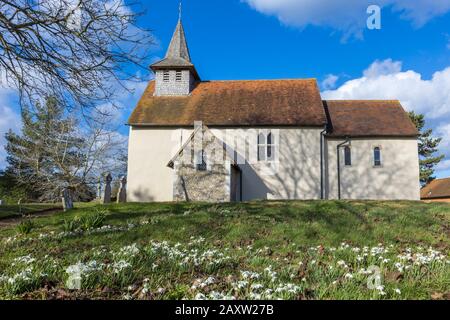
179,76
261,147
201,161
266,147
166,76
270,147
348,156
377,156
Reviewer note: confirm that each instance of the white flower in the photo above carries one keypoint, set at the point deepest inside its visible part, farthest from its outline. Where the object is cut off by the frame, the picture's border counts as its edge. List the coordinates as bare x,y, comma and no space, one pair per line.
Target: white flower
256,286
397,291
200,296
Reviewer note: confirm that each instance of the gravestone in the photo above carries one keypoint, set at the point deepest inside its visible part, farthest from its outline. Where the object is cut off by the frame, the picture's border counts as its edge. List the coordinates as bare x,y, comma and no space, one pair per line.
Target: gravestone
66,197
99,189
122,194
107,191
1,202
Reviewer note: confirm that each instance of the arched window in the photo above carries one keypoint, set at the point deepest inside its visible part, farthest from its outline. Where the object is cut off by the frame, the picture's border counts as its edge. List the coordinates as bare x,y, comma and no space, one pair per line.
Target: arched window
348,156
266,147
377,156
270,147
261,147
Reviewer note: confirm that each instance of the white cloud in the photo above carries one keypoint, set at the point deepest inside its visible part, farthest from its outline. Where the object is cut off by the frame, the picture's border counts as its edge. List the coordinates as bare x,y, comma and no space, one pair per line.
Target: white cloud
383,68
329,82
443,165
444,132
386,80
348,16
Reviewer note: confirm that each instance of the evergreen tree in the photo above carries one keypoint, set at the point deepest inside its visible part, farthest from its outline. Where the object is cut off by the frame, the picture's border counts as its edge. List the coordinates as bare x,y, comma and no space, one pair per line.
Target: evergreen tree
48,153
428,147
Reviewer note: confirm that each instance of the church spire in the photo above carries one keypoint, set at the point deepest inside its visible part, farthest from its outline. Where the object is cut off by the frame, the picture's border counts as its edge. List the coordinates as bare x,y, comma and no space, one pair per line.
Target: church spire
177,55
178,48
175,75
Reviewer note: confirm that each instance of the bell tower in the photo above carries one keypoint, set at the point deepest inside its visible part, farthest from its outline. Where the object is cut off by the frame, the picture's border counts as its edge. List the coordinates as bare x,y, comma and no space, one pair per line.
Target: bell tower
175,75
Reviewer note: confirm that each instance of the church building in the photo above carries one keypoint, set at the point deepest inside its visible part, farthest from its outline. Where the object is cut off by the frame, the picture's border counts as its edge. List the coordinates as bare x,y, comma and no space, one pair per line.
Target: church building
197,140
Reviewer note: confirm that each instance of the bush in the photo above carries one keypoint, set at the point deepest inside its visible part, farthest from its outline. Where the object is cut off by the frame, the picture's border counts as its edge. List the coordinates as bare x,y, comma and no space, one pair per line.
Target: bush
88,222
70,225
93,221
25,227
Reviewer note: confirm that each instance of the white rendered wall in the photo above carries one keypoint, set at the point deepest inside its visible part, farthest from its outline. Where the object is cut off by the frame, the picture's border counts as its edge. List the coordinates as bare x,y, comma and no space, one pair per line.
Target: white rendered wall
396,179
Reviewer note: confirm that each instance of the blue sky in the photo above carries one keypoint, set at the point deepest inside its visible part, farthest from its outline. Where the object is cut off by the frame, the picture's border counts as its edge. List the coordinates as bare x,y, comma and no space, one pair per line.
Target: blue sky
408,59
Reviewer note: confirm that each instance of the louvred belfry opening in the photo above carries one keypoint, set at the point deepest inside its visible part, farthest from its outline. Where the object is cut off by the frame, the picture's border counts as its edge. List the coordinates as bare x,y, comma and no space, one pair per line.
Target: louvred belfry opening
175,75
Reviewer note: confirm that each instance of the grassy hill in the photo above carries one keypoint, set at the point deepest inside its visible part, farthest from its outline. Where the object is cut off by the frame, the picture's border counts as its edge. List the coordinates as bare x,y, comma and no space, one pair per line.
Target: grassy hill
257,250
13,211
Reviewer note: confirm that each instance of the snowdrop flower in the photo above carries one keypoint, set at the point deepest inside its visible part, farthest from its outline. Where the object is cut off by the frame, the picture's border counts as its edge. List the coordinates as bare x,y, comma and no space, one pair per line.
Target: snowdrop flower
397,291
256,286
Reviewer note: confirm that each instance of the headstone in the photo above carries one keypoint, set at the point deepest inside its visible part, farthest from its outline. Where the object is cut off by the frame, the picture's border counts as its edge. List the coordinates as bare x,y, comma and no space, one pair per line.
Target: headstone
99,189
66,197
1,202
122,194
107,191
19,203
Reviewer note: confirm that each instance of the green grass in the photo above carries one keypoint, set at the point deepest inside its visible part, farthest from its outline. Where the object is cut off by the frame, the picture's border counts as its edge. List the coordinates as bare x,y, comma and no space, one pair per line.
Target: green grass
294,250
12,211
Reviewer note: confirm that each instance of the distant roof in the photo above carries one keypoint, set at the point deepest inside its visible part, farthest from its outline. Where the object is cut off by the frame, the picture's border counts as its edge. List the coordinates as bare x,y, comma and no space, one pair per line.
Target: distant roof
177,55
438,188
367,118
235,103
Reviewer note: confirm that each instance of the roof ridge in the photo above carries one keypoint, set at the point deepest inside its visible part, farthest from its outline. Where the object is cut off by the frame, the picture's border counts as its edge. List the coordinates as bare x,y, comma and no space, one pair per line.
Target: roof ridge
262,80
370,100
448,178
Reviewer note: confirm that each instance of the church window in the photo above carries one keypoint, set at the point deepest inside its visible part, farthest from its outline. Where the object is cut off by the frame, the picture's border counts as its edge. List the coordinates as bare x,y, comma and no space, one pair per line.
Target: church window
179,76
266,147
166,76
348,156
377,157
201,161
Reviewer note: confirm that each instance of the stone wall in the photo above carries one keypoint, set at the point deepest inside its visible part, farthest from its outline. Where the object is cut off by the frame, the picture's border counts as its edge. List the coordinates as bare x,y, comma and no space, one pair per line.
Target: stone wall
173,87
210,185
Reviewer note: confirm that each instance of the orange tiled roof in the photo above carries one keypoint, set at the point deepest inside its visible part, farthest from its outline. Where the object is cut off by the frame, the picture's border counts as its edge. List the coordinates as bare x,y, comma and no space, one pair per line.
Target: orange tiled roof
366,118
438,188
235,103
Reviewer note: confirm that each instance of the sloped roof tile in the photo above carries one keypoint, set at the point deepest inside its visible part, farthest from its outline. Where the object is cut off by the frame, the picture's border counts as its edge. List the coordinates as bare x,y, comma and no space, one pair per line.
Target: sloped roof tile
438,188
235,103
367,118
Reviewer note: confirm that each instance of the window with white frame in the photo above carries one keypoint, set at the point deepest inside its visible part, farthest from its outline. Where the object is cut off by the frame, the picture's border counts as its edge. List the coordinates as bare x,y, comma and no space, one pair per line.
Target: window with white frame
377,157
266,146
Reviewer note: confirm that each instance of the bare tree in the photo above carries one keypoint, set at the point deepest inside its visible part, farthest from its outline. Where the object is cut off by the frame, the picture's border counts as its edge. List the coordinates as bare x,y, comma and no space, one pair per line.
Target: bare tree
53,152
76,51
